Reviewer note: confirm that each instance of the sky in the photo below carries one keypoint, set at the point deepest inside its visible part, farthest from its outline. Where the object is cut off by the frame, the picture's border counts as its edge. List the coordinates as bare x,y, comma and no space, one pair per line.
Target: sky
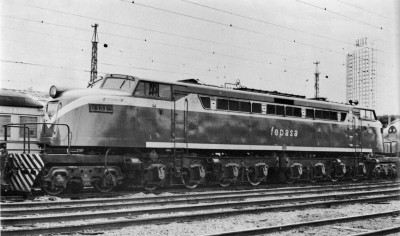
265,44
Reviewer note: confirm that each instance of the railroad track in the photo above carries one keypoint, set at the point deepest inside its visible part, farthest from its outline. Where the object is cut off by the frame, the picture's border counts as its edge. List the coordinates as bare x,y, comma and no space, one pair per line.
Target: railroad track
180,194
316,223
91,193
28,225
12,209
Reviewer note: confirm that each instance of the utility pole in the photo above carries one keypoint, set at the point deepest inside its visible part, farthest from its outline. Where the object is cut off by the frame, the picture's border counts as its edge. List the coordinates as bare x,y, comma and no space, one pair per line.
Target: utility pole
316,86
93,70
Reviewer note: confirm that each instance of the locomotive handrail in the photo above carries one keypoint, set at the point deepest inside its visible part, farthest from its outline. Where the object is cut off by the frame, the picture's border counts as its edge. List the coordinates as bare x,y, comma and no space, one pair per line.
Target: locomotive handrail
19,126
36,123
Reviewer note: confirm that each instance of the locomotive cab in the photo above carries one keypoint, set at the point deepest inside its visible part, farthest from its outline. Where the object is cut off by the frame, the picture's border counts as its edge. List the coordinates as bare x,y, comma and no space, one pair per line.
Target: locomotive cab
93,106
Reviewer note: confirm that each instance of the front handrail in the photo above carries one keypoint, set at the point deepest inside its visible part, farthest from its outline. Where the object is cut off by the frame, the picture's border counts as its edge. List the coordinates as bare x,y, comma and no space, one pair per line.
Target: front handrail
23,125
19,126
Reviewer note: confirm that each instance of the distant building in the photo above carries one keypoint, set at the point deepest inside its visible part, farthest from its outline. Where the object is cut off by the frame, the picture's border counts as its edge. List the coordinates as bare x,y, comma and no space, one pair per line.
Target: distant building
361,75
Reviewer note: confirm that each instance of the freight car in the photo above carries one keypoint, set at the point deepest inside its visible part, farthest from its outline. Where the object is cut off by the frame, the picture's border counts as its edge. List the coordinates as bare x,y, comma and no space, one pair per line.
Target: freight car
145,133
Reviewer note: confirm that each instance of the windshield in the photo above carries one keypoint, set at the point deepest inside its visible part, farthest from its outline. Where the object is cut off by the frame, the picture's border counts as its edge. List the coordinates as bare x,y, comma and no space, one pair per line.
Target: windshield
119,84
52,108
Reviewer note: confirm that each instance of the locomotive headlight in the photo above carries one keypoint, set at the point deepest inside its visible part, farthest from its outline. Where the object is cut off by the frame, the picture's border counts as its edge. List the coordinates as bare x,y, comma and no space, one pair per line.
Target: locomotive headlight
53,91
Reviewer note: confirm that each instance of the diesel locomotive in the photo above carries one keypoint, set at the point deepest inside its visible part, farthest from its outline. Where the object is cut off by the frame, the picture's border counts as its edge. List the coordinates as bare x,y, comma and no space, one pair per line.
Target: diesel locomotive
134,132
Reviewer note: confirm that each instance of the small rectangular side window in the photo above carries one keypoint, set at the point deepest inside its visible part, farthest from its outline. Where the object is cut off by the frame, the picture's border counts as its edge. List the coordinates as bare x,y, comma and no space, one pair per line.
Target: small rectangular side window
4,120
245,106
310,113
206,102
140,89
32,128
222,104
343,116
256,107
297,111
333,115
165,91
318,114
289,111
280,110
153,89
234,105
271,109
325,115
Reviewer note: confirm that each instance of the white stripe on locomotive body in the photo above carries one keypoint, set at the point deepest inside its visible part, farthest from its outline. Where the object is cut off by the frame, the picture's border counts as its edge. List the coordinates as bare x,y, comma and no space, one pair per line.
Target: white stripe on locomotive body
27,179
19,161
194,106
28,159
13,184
19,185
22,159
39,159
251,147
34,162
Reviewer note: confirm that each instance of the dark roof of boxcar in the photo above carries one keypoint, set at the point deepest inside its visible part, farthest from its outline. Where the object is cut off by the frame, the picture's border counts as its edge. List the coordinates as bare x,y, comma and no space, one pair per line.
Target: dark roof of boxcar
15,99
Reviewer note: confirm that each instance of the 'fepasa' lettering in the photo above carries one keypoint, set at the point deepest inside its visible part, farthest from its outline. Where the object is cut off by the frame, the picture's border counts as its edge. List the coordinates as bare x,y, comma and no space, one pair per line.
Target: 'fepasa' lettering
284,132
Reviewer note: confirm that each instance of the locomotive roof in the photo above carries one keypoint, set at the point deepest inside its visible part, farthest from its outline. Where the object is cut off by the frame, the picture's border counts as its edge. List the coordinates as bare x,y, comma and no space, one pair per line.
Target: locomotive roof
15,99
249,94
195,86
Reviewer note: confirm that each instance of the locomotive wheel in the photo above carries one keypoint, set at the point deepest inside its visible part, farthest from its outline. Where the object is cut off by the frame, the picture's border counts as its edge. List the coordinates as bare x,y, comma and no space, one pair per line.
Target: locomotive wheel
393,172
288,177
251,176
52,190
186,179
150,187
99,186
224,183
334,178
376,173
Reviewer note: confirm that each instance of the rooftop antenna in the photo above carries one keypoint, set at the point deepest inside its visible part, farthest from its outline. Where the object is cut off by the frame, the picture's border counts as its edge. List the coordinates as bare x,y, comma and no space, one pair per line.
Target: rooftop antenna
93,70
316,86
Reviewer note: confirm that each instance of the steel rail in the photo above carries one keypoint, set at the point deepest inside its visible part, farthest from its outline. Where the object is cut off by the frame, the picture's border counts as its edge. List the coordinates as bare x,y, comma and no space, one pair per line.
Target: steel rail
280,228
5,206
172,218
385,231
97,205
190,208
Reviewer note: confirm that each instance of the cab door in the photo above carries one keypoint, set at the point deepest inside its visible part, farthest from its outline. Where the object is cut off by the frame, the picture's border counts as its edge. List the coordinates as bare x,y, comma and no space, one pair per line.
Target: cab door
354,130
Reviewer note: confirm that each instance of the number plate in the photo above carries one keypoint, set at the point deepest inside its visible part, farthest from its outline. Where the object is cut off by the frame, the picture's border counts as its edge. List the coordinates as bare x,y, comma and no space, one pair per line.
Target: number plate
101,108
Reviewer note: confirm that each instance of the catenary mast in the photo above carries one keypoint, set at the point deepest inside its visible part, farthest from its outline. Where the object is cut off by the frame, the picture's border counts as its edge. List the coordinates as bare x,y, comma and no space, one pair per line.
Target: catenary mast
93,70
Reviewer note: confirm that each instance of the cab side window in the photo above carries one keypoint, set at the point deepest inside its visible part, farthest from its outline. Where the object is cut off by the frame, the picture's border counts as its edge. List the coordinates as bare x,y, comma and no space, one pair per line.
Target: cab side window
151,89
140,89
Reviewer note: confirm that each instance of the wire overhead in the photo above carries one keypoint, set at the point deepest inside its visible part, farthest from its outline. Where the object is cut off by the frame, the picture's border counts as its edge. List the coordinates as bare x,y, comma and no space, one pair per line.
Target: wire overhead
267,22
211,52
159,43
231,26
342,15
363,9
